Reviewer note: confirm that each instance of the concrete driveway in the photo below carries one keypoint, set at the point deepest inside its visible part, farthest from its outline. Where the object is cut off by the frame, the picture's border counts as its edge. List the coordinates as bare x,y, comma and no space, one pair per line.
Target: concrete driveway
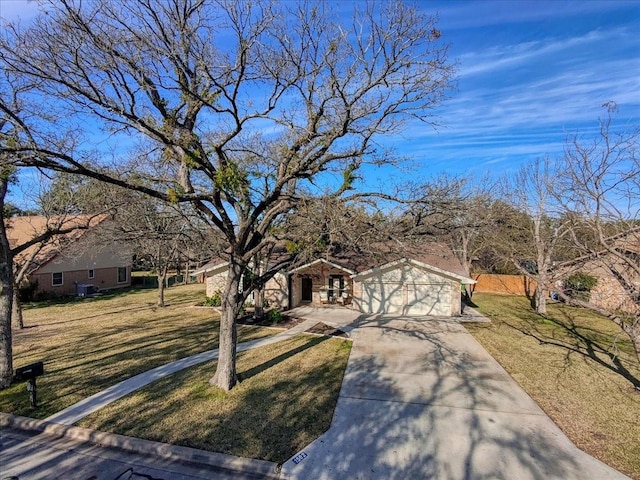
422,399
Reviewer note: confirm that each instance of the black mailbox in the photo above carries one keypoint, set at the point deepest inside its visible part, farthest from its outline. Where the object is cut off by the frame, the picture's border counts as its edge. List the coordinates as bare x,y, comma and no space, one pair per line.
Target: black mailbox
29,372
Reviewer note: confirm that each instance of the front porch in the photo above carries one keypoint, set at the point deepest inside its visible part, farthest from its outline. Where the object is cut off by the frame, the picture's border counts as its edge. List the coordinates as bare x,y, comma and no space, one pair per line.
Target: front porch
321,283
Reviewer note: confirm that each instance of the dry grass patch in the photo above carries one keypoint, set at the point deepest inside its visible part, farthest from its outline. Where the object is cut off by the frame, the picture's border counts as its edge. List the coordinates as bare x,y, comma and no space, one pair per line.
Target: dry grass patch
286,399
91,344
578,366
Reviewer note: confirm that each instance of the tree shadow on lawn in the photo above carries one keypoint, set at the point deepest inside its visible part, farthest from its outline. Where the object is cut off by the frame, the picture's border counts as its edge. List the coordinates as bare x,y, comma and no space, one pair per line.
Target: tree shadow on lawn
270,408
102,314
596,345
251,372
78,370
455,418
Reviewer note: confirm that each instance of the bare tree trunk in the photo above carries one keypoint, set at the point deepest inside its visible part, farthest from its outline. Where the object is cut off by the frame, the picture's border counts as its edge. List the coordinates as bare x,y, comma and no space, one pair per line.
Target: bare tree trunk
6,295
540,300
539,296
16,315
258,297
225,376
162,274
543,247
6,353
633,330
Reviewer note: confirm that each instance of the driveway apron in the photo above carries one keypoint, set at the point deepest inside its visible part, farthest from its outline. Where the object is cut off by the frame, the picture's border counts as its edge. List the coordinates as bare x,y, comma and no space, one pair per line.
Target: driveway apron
422,399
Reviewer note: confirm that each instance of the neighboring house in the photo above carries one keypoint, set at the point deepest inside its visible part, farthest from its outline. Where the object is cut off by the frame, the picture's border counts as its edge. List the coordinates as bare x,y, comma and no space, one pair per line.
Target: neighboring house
609,292
424,281
75,263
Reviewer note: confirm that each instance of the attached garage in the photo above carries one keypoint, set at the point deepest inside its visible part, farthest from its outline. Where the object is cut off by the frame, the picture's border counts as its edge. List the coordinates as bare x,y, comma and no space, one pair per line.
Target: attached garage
409,287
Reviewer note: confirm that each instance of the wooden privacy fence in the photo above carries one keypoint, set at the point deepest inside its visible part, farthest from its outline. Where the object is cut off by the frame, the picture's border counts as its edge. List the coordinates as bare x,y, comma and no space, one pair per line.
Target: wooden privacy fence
503,284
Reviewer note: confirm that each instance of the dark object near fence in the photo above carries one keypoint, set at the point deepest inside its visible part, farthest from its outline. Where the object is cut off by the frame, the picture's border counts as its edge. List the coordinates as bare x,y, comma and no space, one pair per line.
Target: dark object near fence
29,373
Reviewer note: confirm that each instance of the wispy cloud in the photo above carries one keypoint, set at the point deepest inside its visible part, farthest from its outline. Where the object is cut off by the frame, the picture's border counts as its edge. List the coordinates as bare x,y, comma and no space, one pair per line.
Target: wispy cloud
497,13
522,100
503,57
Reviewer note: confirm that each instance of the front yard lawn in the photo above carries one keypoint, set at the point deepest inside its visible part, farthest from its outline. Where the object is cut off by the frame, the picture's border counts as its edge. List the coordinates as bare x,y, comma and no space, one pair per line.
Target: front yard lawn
285,400
89,345
578,366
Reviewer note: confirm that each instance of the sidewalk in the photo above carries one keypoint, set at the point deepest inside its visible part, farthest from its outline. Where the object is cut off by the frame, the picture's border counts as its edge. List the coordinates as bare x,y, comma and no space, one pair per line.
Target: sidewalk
86,407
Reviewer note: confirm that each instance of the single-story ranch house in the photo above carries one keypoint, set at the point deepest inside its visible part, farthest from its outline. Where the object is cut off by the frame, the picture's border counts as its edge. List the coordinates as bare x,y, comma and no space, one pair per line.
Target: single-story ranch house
79,262
425,281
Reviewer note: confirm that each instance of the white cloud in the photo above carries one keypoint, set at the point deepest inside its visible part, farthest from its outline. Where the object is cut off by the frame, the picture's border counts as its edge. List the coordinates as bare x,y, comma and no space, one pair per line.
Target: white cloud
488,13
511,56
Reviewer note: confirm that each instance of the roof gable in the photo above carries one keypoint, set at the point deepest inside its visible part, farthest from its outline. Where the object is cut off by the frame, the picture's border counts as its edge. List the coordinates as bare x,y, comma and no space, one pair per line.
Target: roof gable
424,266
214,266
322,260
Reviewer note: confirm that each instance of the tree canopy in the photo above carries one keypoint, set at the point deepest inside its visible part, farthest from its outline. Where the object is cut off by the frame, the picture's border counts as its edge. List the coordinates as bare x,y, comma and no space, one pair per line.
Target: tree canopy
241,109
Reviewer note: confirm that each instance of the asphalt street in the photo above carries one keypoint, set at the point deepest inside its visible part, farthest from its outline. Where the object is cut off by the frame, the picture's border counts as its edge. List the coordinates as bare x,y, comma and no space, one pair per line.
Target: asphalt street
32,455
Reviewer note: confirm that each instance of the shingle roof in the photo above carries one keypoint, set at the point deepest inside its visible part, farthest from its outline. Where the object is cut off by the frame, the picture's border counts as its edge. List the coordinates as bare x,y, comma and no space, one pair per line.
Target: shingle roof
23,229
436,254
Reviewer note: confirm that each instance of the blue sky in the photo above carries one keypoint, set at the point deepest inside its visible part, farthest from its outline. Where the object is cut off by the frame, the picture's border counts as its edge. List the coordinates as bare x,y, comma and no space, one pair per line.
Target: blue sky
530,73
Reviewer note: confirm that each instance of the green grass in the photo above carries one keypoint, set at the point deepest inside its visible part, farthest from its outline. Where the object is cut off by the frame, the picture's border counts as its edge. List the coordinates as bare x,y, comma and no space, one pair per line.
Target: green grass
286,399
578,366
88,345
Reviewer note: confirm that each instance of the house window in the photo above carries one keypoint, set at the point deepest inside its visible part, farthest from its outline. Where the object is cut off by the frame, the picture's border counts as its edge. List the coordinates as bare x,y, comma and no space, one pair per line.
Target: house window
336,286
92,273
57,279
122,274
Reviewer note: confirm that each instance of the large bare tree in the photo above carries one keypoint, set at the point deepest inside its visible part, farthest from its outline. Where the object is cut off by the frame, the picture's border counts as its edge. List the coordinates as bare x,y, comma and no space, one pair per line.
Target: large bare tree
600,189
532,243
457,210
233,106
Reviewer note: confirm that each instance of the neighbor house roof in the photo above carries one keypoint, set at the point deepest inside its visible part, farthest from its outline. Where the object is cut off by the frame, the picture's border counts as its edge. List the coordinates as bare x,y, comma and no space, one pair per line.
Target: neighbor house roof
23,229
278,255
215,264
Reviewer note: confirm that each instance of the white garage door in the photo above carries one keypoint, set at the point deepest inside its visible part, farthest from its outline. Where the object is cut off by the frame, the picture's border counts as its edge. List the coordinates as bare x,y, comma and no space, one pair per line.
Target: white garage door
407,299
383,298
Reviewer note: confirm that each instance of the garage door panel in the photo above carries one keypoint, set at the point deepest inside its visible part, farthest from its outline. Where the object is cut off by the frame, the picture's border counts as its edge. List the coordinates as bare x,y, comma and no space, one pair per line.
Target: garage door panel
382,298
431,299
407,299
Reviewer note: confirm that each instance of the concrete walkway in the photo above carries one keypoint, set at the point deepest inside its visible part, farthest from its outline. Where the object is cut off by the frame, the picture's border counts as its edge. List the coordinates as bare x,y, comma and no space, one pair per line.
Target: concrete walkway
86,407
423,399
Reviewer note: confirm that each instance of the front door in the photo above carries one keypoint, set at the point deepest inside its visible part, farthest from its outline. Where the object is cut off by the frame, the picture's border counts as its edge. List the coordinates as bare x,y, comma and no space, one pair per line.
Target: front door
307,288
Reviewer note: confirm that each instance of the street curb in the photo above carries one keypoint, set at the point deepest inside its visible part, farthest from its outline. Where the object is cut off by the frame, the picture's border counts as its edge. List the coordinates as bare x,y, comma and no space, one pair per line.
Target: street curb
259,468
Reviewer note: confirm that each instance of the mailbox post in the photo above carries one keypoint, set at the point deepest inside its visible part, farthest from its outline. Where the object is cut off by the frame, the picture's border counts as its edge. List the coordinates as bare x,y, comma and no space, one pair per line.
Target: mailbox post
30,373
